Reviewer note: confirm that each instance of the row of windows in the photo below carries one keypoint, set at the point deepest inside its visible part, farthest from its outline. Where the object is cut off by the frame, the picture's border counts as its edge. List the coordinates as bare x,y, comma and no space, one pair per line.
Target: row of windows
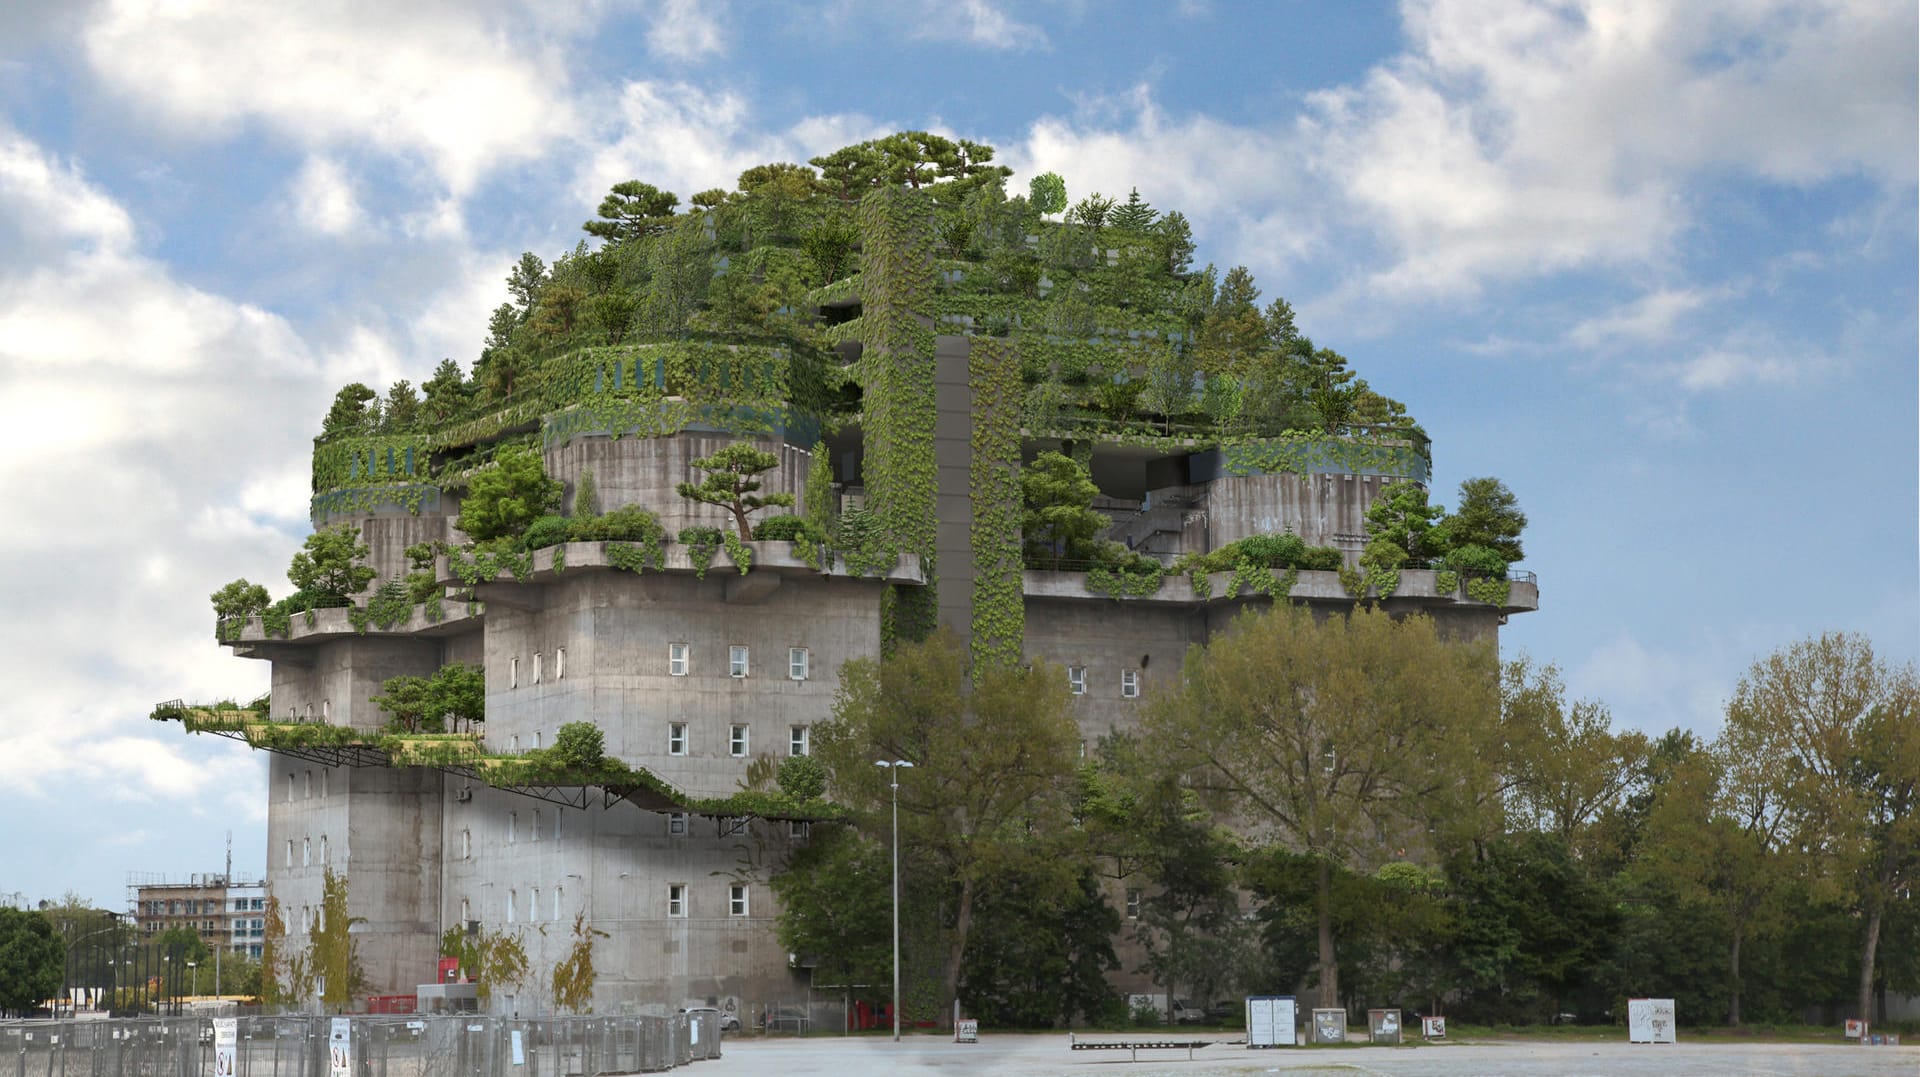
678,826
739,740
739,663
539,667
306,851
325,785
1129,682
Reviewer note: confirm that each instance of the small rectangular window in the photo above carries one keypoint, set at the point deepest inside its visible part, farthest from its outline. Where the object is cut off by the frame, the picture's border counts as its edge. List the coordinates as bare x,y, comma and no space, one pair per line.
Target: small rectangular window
510,904
737,899
306,851
1133,904
797,663
538,661
557,897
677,900
737,741
466,848
309,785
1129,684
677,659
676,738
533,832
736,661
325,846
797,740
559,662
677,824
733,824
513,827
797,828
1077,680
289,787
559,814
324,784
513,673
289,853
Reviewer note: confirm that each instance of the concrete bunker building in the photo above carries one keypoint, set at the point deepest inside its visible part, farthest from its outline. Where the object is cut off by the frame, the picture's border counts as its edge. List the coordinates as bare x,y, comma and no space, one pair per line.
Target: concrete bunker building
933,380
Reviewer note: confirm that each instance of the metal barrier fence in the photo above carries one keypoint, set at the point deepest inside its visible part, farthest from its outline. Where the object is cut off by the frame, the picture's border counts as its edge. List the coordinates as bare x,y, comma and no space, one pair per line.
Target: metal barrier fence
381,1046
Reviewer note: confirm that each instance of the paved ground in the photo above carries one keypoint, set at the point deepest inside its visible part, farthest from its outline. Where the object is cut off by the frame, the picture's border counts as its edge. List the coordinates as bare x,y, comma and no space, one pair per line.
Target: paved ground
1037,1055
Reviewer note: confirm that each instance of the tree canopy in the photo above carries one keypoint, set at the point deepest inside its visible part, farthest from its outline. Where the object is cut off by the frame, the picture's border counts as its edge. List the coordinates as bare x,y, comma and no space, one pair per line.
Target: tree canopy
32,958
733,482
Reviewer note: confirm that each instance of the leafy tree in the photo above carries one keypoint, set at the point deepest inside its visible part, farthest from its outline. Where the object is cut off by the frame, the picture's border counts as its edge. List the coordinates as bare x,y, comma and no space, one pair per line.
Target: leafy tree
632,210
1531,927
425,704
711,198
679,270
1092,211
586,497
573,975
1839,731
1057,518
182,944
828,247
503,499
1040,954
348,415
332,948
1488,515
1176,243
1047,193
490,959
1568,768
780,178
525,282
446,393
579,745
275,988
239,600
994,763
1325,738
1401,517
402,411
1134,214
32,960
329,564
912,159
836,905
732,481
802,778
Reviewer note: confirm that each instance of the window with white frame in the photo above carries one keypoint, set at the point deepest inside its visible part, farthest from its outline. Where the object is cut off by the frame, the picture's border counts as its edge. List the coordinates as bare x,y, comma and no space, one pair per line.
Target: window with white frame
797,828
558,895
533,832
558,814
733,824
513,744
677,900
533,905
797,740
676,738
513,827
1129,684
325,849
306,851
559,663
737,741
1077,680
324,783
539,661
289,850
309,785
513,672
797,663
677,659
466,911
539,735
737,899
677,824
1133,904
466,847
289,787
736,661
510,904
326,710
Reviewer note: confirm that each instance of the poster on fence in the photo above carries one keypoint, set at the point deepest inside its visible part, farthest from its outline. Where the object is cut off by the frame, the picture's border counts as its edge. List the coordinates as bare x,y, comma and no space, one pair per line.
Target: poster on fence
226,1040
340,1048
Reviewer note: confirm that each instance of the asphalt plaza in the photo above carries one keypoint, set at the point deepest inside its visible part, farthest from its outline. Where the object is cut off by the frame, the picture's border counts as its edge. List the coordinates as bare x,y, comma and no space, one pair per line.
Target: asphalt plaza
1049,1053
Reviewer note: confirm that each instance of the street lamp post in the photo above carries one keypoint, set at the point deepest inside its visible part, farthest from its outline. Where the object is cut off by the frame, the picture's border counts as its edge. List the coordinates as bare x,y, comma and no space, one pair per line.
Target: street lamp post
893,774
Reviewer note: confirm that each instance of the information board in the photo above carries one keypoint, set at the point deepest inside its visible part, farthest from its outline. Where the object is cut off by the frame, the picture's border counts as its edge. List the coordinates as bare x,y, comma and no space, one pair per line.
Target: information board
340,1047
226,1040
1270,1021
967,1031
1650,1020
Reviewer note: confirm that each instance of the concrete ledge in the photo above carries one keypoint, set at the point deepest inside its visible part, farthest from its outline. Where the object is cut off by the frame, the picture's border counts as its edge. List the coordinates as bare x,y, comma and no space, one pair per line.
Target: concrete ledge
253,642
1416,588
773,556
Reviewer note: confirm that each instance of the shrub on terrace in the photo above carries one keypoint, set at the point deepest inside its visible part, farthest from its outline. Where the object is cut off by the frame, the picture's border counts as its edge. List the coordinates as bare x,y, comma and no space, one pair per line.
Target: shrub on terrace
787,527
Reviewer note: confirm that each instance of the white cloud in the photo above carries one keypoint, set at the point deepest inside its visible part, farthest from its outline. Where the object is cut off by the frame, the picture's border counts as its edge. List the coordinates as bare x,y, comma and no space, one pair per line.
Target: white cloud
1651,317
324,201
684,139
687,29
53,204
1516,138
981,23
460,86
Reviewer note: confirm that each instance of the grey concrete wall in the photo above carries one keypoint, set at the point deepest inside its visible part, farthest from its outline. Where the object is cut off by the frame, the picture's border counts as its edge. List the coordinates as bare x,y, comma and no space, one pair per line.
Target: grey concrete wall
953,498
616,628
1108,640
1324,510
645,472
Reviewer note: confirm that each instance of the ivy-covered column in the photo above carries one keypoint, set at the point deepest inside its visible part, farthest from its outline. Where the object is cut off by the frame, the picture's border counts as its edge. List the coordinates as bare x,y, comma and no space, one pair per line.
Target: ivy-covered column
896,369
999,606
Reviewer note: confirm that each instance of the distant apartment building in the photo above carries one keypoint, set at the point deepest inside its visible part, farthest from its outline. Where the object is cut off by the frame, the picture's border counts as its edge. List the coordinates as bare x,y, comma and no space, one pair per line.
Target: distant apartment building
227,914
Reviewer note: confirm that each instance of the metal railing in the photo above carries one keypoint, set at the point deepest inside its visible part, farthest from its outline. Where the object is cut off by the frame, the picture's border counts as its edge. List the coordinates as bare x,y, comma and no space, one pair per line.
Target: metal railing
380,1046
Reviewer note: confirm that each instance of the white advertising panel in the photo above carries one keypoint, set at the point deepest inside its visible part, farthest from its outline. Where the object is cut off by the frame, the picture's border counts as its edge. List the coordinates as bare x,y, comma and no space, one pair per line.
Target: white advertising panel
1270,1021
1650,1020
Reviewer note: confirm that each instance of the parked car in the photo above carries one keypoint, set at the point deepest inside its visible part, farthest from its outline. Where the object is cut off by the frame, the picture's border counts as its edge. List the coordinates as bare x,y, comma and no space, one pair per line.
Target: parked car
728,1022
1186,1013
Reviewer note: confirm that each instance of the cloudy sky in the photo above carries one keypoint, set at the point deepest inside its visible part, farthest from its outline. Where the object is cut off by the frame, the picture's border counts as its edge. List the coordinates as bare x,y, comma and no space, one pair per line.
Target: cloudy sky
1652,264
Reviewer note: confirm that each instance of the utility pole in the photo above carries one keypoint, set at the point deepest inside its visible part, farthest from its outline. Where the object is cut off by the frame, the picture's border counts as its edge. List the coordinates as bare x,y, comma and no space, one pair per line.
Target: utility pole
226,917
893,775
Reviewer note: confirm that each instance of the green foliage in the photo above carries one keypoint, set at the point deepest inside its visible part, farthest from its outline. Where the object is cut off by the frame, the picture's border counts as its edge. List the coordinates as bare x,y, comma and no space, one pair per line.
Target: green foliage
835,905
1531,928
828,248
802,778
32,959
1476,560
548,531
789,528
492,959
1400,517
331,948
1047,193
328,565
236,602
579,745
632,210
1488,517
349,414
574,975
998,630
503,499
586,498
455,693
1040,953
733,477
628,523
1057,517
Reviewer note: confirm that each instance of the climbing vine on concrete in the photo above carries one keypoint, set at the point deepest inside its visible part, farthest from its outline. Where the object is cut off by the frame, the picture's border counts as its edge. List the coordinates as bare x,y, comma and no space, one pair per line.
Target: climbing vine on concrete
999,608
897,367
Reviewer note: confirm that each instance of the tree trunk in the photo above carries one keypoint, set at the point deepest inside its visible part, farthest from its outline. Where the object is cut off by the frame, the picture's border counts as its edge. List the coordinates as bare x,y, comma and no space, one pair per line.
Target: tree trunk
962,922
1329,964
1866,962
1733,1011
